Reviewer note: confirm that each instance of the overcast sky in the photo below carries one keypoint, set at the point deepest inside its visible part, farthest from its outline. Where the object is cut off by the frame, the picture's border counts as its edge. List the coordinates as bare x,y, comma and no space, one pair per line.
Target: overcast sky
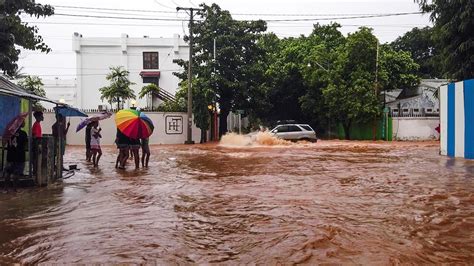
58,29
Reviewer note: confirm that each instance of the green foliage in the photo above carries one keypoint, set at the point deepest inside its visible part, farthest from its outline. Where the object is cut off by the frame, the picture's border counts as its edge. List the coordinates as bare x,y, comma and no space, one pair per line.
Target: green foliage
119,89
34,85
423,49
235,72
397,70
14,32
453,26
151,88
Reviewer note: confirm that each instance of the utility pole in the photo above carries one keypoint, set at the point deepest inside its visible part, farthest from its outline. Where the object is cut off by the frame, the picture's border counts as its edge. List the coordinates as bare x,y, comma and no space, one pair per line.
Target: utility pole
190,87
374,132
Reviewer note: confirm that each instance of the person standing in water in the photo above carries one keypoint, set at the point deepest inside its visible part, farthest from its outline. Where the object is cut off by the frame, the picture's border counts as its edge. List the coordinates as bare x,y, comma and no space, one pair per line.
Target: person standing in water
88,142
95,143
145,152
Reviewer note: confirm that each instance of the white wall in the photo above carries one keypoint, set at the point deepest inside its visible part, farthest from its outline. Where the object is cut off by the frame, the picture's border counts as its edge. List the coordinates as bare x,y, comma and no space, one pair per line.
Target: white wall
415,128
94,56
161,135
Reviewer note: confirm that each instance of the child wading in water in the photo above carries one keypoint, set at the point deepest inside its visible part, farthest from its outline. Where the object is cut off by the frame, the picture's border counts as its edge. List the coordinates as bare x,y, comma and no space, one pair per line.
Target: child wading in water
95,143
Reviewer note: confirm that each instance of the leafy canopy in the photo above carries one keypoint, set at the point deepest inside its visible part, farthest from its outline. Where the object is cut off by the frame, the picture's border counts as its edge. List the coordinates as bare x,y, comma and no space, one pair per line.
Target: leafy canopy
14,33
453,31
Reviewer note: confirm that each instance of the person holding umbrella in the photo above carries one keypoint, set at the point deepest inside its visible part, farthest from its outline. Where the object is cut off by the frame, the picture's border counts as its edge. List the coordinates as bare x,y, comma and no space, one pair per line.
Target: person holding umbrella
16,148
95,143
87,123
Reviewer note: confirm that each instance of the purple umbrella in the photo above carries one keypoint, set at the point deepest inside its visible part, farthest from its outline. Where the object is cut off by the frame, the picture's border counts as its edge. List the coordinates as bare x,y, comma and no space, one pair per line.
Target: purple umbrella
91,119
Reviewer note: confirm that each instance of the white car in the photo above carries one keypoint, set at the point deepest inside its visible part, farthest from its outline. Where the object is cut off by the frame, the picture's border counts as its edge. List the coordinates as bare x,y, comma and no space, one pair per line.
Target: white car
295,132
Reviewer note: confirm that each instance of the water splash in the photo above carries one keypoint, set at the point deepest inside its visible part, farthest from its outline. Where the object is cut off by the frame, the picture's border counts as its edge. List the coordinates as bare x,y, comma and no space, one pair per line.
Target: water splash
262,138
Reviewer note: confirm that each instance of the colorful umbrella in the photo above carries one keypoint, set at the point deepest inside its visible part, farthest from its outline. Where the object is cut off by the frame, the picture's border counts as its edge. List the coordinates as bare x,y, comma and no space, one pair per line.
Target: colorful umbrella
134,124
13,126
91,119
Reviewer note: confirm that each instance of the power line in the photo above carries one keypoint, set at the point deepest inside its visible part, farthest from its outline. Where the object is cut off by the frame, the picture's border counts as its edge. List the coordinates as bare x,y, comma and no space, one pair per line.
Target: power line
110,17
267,20
116,9
239,14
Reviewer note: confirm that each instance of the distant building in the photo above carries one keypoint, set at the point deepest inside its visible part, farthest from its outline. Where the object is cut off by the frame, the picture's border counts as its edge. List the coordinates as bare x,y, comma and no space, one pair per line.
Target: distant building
149,60
422,101
60,90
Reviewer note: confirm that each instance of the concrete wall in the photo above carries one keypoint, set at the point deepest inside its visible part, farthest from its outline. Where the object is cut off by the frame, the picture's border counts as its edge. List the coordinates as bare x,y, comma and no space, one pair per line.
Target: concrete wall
170,128
415,128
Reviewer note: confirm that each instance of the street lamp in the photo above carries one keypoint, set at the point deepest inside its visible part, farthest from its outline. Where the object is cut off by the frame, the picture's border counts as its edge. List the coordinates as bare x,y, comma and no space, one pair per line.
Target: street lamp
134,104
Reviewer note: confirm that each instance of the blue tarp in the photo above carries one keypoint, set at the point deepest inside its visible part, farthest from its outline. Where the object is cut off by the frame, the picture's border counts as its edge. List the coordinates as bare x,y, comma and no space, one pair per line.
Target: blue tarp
10,108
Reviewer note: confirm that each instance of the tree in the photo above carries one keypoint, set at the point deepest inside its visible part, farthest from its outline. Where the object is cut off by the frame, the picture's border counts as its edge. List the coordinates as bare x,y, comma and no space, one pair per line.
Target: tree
149,90
14,33
423,49
119,89
234,72
34,85
453,24
350,95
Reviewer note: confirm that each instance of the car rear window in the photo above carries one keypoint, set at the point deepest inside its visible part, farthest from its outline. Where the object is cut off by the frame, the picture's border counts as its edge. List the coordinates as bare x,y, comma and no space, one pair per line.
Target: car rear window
307,128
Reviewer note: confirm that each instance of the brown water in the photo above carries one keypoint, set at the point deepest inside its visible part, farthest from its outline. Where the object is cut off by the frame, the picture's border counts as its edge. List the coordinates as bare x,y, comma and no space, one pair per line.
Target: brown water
329,202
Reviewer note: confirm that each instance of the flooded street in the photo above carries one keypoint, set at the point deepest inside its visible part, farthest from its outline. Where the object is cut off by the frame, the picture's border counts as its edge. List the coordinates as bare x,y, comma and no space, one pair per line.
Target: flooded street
326,202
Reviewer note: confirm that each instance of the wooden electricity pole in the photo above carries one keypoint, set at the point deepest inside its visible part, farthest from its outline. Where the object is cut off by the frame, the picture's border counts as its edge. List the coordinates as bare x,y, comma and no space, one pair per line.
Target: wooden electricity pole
191,10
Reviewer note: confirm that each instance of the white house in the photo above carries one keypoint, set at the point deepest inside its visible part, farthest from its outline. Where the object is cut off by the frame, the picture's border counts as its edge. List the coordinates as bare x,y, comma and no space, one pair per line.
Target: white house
149,60
421,101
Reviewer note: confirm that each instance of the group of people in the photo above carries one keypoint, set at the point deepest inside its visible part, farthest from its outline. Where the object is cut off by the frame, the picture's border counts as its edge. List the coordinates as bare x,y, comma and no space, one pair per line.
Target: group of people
128,147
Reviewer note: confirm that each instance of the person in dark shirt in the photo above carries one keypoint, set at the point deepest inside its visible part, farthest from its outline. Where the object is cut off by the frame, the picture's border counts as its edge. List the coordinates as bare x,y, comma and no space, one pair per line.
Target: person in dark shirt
88,142
16,148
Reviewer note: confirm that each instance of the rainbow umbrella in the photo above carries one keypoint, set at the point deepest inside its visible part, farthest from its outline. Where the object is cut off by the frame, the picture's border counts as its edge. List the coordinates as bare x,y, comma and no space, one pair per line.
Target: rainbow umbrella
134,124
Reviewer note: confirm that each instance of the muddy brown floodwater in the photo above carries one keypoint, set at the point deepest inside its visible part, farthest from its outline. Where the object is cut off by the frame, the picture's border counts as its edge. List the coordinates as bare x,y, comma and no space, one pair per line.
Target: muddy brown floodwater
329,202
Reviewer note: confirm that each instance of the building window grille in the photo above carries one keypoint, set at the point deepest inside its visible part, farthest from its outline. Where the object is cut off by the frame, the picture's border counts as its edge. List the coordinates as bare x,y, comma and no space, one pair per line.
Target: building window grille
150,60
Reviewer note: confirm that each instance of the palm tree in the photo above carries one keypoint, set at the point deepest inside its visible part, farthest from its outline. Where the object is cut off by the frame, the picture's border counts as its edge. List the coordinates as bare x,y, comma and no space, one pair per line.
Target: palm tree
149,90
119,88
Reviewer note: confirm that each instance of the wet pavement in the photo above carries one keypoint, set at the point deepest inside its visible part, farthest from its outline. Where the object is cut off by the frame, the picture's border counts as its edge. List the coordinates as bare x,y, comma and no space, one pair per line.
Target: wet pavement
326,202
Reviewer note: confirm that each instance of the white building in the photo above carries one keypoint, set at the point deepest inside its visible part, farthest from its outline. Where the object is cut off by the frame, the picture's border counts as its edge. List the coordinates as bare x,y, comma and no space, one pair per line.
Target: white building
60,90
149,60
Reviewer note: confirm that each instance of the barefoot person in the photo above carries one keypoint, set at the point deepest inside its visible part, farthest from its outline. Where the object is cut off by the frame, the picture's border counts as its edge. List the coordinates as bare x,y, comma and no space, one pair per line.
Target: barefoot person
122,142
95,143
135,149
145,152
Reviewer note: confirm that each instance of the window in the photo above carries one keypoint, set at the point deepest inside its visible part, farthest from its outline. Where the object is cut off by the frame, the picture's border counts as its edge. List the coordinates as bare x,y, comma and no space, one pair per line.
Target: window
416,110
150,60
429,110
282,129
293,128
307,128
405,110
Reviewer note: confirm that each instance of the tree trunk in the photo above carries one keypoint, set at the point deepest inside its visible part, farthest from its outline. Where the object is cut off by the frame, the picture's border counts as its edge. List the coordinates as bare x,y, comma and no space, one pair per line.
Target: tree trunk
223,122
203,136
347,129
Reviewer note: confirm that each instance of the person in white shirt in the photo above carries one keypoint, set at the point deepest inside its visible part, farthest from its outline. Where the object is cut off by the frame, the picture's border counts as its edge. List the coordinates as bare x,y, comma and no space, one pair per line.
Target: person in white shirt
95,143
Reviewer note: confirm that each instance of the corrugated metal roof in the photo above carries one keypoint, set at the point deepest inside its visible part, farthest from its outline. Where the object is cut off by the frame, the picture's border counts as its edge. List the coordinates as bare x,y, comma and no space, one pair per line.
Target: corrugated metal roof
10,88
